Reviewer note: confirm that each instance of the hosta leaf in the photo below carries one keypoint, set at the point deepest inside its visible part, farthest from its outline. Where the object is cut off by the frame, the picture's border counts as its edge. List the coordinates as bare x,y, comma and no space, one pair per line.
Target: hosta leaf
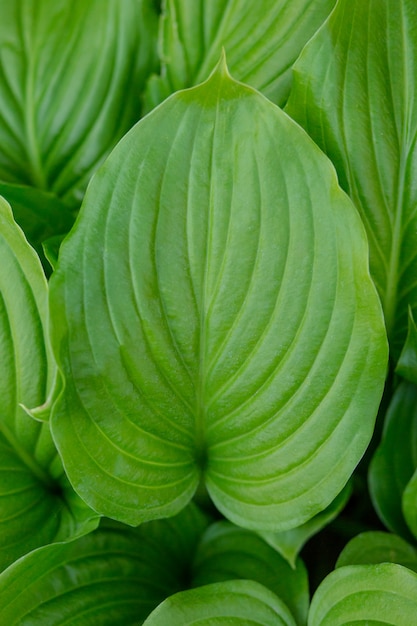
115,575
395,460
37,505
262,40
242,602
367,595
227,552
290,542
354,88
214,319
71,76
378,547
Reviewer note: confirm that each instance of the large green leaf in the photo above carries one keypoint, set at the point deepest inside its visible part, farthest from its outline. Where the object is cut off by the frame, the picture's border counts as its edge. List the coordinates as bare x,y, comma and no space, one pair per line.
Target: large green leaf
395,461
237,602
115,575
354,88
262,40
214,319
71,76
367,595
37,505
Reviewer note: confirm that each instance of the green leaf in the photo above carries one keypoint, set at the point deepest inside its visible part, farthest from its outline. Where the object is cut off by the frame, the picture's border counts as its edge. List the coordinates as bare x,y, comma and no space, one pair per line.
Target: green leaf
407,363
37,505
71,77
370,595
262,40
395,460
115,575
227,552
290,542
214,319
41,215
240,602
354,88
378,547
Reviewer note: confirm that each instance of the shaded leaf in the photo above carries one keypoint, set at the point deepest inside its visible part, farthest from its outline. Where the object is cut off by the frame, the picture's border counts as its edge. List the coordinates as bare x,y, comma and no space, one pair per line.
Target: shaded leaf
227,552
71,77
366,594
37,505
184,360
407,363
243,602
354,88
395,460
115,575
262,40
41,215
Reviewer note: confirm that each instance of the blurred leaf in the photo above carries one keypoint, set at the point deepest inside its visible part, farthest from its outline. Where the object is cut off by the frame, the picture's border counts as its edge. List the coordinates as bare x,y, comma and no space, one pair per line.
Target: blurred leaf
262,40
395,460
407,363
71,79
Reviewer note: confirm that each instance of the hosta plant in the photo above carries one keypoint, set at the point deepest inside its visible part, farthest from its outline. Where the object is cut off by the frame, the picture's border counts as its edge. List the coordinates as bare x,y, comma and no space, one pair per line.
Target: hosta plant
207,305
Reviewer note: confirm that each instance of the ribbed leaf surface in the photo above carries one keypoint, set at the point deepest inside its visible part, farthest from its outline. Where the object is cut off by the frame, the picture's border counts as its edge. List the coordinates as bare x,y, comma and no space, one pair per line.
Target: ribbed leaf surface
262,40
36,503
214,319
71,76
366,595
354,87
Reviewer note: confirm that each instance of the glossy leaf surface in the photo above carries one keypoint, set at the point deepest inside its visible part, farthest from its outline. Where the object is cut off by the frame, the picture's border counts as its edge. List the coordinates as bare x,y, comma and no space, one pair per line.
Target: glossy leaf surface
262,40
37,505
366,595
354,88
227,552
229,330
115,575
71,77
395,461
242,602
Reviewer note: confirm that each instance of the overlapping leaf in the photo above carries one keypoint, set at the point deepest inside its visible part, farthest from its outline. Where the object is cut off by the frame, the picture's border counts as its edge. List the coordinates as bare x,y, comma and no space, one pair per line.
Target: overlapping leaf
227,552
262,40
115,575
354,87
394,463
214,319
37,505
378,547
364,595
220,604
290,542
71,77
